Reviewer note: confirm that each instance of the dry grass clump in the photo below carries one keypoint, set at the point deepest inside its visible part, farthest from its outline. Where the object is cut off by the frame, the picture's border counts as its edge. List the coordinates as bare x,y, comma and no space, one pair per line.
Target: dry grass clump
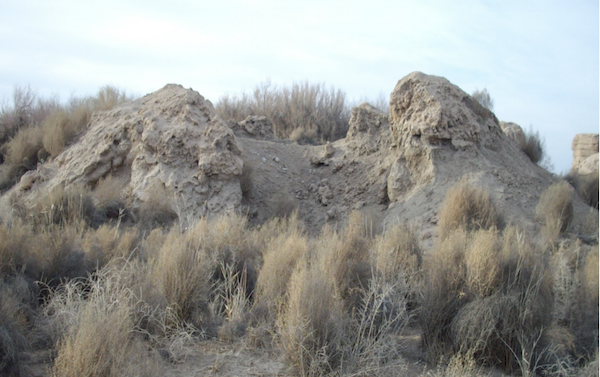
109,198
344,259
311,107
311,323
555,210
338,316
157,208
64,206
279,258
208,273
13,327
468,207
23,148
304,137
580,280
17,239
397,254
62,126
107,243
59,255
181,272
496,319
100,335
48,255
443,292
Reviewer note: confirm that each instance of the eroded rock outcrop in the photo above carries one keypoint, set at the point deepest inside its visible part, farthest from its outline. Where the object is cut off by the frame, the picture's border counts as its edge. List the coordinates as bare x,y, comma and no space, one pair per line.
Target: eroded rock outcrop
514,132
171,138
583,146
368,128
429,110
428,113
254,126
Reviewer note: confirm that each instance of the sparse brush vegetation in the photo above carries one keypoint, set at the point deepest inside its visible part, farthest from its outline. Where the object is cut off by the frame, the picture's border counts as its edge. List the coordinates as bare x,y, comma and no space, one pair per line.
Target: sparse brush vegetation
102,338
469,207
496,319
119,298
555,210
535,147
313,108
484,98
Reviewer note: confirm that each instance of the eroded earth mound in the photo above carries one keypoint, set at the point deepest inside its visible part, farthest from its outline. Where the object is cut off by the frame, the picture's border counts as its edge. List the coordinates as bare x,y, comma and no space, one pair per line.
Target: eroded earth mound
395,168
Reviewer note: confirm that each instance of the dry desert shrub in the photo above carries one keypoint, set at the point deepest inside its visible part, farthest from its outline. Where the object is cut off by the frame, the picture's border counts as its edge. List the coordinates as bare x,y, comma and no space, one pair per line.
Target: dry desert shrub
482,262
397,253
535,148
13,327
33,128
59,254
17,239
344,259
339,316
484,98
311,107
304,137
61,127
310,325
26,109
48,255
109,97
443,292
494,320
555,210
468,207
279,258
100,334
64,206
181,272
583,318
202,271
23,148
107,243
397,257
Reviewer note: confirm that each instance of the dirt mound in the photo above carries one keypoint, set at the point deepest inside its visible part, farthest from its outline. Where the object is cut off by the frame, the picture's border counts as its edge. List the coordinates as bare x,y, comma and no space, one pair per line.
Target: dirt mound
395,169
171,138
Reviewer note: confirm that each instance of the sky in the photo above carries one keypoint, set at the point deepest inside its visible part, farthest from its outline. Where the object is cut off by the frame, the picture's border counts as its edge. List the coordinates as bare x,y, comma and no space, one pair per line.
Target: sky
539,60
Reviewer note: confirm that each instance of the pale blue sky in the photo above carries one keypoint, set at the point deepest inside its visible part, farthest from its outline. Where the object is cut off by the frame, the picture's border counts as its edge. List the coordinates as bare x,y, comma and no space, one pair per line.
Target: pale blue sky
539,59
